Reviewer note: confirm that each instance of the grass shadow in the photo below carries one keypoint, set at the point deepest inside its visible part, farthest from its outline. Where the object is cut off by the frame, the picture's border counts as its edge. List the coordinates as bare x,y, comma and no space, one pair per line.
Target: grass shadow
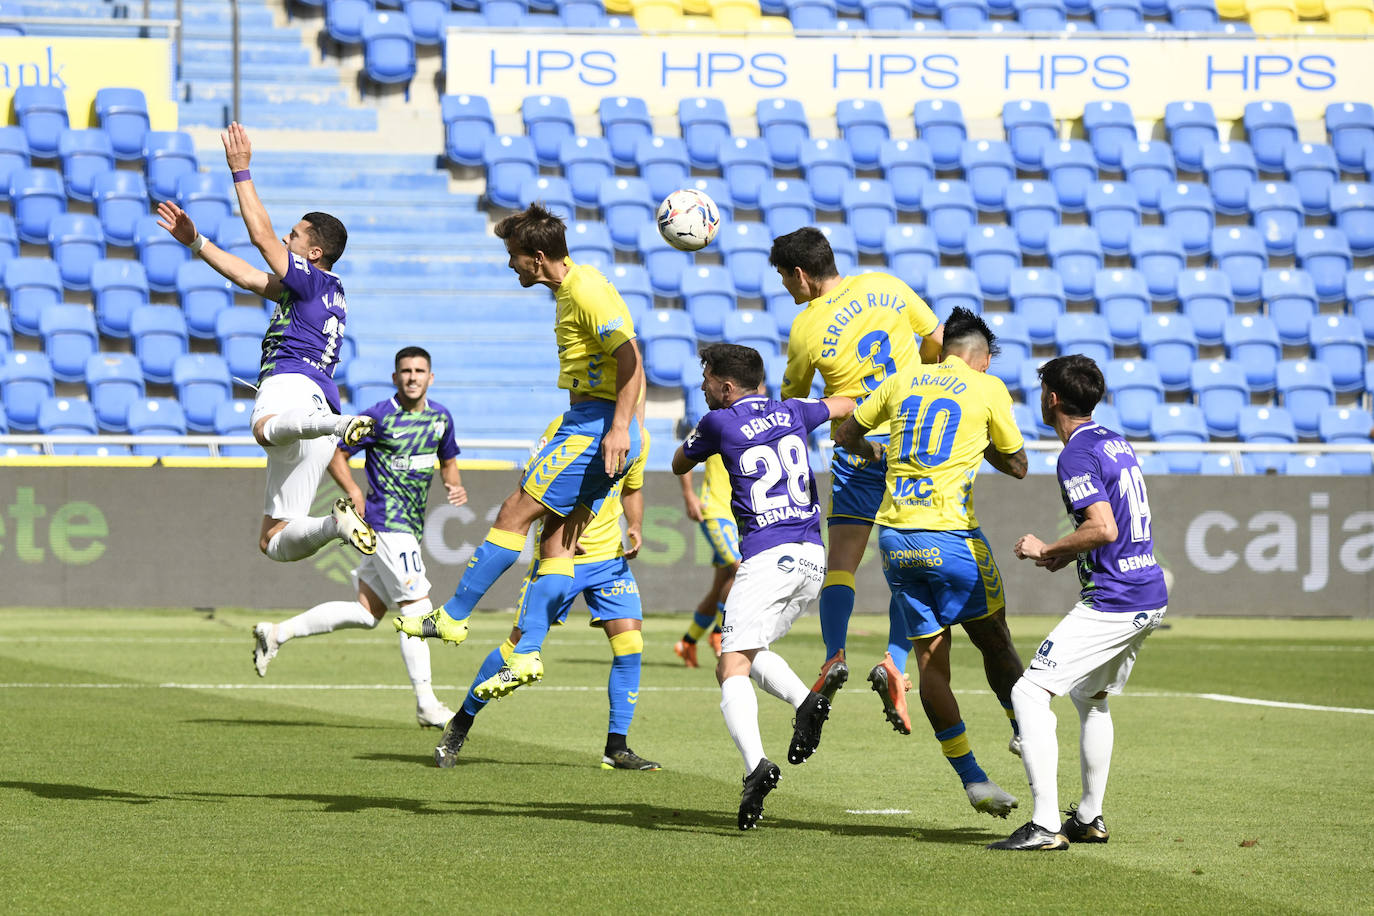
288,723
60,791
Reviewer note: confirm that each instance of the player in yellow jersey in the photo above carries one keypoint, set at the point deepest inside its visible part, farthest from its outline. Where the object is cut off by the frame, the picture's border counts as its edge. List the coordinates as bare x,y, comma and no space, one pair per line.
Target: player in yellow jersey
711,510
945,420
601,574
592,446
855,331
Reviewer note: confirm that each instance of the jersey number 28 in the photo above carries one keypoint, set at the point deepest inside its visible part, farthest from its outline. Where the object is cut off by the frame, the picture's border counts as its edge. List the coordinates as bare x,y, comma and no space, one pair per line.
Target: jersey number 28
771,464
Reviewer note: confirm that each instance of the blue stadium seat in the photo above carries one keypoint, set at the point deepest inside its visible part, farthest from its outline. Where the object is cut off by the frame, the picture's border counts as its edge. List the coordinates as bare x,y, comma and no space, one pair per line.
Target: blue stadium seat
1261,425
948,288
778,302
783,126
1109,126
121,200
744,247
343,20
1271,129
705,125
590,243
507,13
1118,15
912,252
1136,389
708,294
1347,426
828,165
746,166
66,417
369,380
1194,15
632,282
1071,168
167,155
1041,15
689,373
1030,128
84,154
869,209
624,122
1239,252
1169,342
1114,212
1033,210
36,196
234,418
940,123
117,287
786,205
42,112
26,381
123,115
388,49
1350,129
553,192
1220,464
1179,423
1014,344
207,197
1221,390
1325,254
627,204
886,15
32,285
1359,296
1149,167
159,337
1253,341
664,263
586,163
1158,255
662,163
1276,212
752,329
1338,342
994,254
1290,300
812,15
1305,388
509,162
1191,127
239,332
77,242
1025,420
908,167
9,241
203,294
467,125
669,341
963,15
14,155
6,333
1037,296
159,253
1076,254
1312,465
1189,214
989,169
843,245
202,383
950,211
548,122
427,20
156,417
1083,334
1231,170
1353,206
1312,169
113,382
69,338
863,125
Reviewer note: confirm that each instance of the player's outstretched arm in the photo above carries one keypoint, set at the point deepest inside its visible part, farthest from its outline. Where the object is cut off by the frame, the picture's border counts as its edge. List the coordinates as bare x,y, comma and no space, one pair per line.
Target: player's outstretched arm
681,463
850,437
453,482
629,386
343,476
840,406
1098,528
1014,465
230,266
238,153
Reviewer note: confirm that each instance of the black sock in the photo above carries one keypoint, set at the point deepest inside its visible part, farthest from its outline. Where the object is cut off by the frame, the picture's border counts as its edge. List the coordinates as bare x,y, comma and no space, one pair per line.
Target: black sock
615,743
688,640
463,720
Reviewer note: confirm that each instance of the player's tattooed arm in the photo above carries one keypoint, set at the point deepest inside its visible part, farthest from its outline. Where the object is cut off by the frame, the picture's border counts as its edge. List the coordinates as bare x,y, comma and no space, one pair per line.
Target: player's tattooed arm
1014,465
850,437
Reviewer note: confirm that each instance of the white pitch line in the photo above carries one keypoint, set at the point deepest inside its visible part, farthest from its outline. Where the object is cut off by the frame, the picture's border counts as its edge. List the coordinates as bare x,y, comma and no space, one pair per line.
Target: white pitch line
877,810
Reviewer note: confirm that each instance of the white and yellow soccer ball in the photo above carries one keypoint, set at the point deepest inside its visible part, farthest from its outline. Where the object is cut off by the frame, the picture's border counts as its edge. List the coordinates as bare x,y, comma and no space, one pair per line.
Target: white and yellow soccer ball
688,219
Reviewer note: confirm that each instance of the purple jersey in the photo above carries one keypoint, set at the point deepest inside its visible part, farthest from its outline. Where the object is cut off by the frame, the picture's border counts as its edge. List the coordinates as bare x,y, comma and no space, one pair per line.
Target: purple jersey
1098,465
763,445
404,449
307,327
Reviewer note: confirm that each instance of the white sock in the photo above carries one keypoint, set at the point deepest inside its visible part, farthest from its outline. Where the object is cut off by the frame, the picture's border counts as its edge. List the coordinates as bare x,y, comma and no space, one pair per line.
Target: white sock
301,538
326,618
1039,750
299,423
771,672
1095,739
741,709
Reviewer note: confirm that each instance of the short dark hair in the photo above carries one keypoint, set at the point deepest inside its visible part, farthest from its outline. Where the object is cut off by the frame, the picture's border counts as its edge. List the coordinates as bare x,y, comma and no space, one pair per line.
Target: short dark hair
741,365
535,228
963,324
1077,382
327,232
409,352
807,248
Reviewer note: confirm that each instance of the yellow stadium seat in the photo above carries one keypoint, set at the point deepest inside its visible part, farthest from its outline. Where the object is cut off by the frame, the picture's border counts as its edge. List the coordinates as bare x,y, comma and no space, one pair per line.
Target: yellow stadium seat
1312,9
1273,17
735,15
1350,17
1227,9
698,25
697,7
658,15
771,25
620,7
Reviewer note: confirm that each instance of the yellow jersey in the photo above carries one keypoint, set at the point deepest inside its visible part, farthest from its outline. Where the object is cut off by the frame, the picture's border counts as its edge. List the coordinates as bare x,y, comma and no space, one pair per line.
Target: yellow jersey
602,538
943,417
860,333
592,322
715,490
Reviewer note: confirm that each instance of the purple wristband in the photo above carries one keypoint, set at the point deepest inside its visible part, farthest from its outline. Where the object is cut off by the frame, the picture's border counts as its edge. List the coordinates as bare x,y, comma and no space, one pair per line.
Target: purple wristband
242,175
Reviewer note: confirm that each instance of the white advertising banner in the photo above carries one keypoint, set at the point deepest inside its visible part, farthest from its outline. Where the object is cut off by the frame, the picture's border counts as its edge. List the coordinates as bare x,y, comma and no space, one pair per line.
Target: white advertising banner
979,73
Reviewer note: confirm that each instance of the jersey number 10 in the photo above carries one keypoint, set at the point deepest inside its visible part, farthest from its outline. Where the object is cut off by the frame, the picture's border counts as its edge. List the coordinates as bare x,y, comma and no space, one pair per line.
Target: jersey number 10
919,422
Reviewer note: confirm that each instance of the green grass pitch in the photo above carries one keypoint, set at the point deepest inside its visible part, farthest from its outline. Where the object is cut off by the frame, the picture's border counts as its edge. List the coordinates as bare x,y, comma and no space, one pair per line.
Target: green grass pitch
145,768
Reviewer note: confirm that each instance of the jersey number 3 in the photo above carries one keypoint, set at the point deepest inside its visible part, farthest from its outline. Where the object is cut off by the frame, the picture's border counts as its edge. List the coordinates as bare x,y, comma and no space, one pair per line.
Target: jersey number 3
875,348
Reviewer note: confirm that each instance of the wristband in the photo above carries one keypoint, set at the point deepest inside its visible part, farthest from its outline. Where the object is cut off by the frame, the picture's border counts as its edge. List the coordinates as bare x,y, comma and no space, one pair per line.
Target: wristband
242,175
197,243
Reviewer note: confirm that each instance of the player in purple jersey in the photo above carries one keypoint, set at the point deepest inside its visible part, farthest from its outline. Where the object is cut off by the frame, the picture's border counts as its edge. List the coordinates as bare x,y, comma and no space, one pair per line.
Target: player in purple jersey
773,494
1090,653
296,413
411,437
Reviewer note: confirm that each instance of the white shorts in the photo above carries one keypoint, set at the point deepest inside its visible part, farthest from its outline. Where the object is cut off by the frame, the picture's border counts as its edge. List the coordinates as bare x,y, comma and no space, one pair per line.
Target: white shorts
293,471
396,572
1091,651
772,589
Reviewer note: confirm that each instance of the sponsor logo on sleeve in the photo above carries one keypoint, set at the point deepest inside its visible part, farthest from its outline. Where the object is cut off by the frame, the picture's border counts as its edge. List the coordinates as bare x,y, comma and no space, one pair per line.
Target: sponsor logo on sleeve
1079,487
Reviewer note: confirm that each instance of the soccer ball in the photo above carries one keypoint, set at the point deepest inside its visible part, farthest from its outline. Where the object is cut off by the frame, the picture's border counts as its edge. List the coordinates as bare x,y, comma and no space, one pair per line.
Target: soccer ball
688,219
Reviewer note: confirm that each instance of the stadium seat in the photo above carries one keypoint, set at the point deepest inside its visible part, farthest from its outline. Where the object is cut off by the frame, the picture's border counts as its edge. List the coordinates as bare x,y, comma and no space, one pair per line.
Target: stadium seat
948,288
32,285
843,245
1221,390
1169,342
240,331
14,155
1253,341
1037,297
42,113
9,241
632,282
1083,334
1014,344
77,242
1305,389
1338,342
786,205
1189,214
1272,17
369,381
1353,206
1290,300
664,263
26,380
548,122
427,20
1071,168
123,115
553,192
708,294
1110,127
908,167
1312,169
747,166
989,169
1191,127
812,15
343,20
1239,252
1194,15
783,126
159,253
778,302
627,205
590,243
1347,426
167,155
940,123
1033,211
1040,15
1231,170
662,163
1220,464
950,211
624,122
963,15
159,337
506,13
1270,129
1179,423
705,125
1276,211
1114,213
155,417
669,341
234,418
886,15
84,154
1136,389
828,165
869,209
467,125
1312,465
203,294
113,382
117,287
69,338
207,197
121,200
509,162
1359,295
1076,254
586,163
1325,254
912,252
752,329
202,383
36,196
388,49
993,254
1350,130
1263,425
1030,128
1149,167
1118,15
863,125
66,417
1158,254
